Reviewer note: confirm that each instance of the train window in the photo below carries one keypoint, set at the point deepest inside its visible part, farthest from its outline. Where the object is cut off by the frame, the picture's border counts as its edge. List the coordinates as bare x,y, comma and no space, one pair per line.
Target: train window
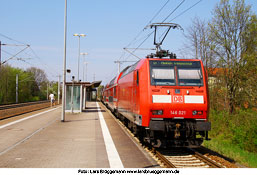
163,76
137,78
129,69
125,71
114,91
112,82
188,73
190,77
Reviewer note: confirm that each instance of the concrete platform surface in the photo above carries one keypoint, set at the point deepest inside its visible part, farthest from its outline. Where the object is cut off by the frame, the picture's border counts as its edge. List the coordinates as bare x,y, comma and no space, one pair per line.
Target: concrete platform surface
43,141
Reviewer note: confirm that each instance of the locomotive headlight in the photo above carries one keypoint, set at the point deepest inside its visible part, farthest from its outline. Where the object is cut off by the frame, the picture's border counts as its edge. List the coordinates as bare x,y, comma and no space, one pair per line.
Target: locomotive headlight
157,112
194,112
200,112
197,112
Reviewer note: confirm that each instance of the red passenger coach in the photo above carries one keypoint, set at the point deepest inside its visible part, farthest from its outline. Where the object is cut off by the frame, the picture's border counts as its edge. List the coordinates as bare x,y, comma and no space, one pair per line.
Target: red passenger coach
105,94
110,94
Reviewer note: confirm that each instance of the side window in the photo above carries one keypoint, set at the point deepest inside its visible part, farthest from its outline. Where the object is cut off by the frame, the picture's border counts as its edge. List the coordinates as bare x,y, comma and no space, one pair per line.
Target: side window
114,91
137,77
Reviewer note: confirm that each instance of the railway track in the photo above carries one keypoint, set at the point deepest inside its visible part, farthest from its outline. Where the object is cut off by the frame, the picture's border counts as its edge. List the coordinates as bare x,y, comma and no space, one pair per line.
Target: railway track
178,157
11,110
184,158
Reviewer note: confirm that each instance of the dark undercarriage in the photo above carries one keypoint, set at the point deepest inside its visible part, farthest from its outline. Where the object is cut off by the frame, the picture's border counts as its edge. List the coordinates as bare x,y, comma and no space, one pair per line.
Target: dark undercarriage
171,133
167,133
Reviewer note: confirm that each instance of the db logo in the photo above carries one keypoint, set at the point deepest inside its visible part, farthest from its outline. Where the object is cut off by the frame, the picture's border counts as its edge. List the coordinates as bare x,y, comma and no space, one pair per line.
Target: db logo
177,99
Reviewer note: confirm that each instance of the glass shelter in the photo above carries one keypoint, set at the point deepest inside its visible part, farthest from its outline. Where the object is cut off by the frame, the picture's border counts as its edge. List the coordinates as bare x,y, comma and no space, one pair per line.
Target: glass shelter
77,93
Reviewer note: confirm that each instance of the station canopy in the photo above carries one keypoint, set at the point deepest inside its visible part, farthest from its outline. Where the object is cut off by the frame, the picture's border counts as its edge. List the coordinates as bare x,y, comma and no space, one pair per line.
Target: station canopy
88,85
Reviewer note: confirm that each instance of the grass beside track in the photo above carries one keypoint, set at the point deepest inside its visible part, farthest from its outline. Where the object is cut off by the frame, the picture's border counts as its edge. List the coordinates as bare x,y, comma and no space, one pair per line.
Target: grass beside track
230,150
234,135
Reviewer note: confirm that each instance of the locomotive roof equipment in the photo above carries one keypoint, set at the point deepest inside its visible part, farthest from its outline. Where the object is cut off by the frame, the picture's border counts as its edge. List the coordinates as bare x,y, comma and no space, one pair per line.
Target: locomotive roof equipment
159,52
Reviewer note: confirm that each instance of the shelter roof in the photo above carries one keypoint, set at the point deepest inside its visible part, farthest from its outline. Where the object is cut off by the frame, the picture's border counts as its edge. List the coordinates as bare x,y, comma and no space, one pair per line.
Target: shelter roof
93,84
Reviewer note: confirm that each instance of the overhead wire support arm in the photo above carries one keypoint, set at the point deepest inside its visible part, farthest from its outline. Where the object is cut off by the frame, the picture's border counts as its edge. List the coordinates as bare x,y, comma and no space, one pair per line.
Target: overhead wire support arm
15,45
119,62
131,53
15,55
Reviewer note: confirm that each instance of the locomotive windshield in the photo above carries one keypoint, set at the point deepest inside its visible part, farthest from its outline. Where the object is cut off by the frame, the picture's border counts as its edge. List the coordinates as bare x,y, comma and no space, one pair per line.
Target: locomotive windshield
188,73
189,77
163,76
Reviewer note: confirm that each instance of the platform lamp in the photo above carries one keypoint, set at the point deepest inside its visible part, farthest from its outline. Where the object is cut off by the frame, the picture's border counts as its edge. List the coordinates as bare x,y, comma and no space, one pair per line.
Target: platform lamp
79,35
84,55
64,64
86,69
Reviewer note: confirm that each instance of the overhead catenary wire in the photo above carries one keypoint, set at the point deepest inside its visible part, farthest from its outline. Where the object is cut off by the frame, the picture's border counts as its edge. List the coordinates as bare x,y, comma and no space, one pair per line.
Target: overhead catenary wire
54,73
50,70
182,14
12,39
6,52
20,59
158,12
186,10
173,10
132,53
148,23
13,56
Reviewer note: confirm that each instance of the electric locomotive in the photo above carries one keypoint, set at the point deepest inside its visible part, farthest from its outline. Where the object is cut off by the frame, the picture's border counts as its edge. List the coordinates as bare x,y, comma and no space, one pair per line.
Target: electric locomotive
164,100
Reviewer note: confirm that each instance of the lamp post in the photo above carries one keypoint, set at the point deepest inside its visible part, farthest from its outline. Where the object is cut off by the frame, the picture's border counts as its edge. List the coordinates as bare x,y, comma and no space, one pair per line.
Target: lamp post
84,55
85,89
79,35
64,64
86,69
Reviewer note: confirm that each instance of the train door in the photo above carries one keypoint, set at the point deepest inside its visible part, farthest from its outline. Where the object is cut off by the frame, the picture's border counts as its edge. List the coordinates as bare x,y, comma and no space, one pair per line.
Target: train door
135,91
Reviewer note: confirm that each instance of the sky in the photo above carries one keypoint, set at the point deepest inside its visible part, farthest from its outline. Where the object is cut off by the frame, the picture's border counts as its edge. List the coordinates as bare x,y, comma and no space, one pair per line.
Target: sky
109,27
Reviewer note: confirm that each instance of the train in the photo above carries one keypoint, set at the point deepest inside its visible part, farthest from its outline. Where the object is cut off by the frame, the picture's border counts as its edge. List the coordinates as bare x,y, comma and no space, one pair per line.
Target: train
164,101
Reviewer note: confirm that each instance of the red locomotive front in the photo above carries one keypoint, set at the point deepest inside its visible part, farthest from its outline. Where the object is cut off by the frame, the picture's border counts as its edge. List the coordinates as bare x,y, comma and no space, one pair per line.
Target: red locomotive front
167,98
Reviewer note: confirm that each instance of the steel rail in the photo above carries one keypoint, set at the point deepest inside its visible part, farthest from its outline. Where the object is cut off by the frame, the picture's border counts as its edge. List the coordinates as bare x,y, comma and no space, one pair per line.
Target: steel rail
168,164
163,159
206,159
7,111
210,163
16,105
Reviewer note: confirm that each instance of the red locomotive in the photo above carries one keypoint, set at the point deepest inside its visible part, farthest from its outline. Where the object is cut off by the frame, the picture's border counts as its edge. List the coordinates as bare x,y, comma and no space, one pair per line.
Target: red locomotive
162,100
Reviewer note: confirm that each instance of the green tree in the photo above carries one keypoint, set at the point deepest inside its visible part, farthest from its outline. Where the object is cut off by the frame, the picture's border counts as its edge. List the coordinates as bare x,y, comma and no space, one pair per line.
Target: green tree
248,91
32,84
40,78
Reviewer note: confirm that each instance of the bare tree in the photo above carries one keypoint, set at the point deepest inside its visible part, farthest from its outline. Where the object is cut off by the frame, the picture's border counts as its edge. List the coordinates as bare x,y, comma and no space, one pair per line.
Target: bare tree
228,28
198,39
39,75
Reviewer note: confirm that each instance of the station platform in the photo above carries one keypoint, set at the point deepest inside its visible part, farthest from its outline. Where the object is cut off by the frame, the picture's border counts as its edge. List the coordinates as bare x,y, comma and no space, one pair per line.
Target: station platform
91,139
